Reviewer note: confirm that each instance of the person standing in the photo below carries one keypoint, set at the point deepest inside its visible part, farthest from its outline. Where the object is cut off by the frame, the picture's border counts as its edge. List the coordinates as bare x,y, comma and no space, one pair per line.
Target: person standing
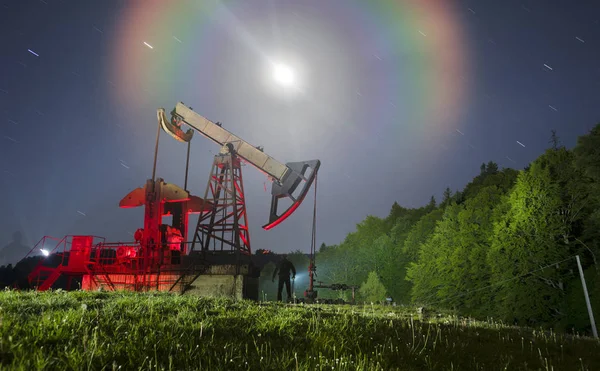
284,267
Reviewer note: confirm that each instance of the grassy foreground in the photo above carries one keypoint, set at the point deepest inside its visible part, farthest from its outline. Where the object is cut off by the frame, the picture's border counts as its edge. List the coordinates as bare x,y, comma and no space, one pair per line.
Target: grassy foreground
128,331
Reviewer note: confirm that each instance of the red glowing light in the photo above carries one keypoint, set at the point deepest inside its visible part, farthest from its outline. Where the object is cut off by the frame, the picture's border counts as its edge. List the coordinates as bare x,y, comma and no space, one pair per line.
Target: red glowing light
283,217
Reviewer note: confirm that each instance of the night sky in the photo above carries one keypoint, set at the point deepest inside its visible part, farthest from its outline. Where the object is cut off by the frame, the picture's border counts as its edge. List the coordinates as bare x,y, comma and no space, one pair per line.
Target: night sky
398,99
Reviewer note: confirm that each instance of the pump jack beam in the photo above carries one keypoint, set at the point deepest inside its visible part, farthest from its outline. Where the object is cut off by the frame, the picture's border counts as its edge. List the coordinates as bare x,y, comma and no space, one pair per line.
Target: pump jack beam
285,178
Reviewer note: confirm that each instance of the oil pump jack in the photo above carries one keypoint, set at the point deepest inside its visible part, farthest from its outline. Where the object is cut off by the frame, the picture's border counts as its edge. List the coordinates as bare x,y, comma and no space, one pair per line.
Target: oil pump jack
162,257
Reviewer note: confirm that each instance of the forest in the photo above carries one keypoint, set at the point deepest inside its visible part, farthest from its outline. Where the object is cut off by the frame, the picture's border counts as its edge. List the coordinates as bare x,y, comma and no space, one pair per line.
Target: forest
503,247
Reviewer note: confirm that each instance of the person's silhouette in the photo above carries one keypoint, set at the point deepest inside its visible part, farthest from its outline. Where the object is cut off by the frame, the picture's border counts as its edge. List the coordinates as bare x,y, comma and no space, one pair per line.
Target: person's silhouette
14,251
284,268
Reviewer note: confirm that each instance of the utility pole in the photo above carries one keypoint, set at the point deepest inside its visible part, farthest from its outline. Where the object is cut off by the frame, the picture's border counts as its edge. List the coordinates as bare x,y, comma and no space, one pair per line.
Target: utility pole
587,298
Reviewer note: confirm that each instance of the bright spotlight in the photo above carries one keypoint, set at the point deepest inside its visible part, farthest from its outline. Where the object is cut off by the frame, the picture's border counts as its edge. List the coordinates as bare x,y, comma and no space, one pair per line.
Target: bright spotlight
45,252
283,74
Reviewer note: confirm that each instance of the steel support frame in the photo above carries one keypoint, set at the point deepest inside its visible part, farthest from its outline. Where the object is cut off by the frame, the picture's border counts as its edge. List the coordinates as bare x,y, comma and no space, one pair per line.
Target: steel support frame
226,226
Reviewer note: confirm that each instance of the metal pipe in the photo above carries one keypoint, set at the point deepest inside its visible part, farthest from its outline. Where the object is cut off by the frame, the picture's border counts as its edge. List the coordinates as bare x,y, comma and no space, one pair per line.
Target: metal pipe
187,166
587,298
155,152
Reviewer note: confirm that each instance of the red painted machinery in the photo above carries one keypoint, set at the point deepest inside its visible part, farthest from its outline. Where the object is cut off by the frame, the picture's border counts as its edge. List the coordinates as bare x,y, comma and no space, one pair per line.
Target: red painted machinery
162,257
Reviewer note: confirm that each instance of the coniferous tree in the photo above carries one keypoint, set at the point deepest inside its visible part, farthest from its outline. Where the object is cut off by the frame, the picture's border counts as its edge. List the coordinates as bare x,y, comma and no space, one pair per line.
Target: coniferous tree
446,197
432,204
396,212
554,140
458,197
491,168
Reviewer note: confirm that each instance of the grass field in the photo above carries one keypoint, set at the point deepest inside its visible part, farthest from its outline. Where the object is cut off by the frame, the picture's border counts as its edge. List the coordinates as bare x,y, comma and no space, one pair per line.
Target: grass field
127,331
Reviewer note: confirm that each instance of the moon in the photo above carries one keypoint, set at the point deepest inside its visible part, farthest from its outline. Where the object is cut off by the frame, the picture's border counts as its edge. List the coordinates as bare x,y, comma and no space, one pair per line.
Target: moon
283,75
